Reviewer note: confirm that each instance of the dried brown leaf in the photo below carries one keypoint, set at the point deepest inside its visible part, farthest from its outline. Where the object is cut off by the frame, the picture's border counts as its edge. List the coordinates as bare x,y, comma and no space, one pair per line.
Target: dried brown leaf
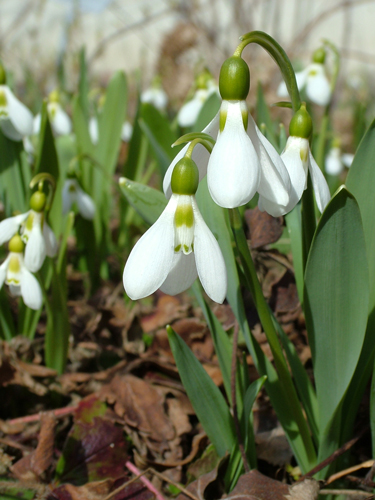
264,229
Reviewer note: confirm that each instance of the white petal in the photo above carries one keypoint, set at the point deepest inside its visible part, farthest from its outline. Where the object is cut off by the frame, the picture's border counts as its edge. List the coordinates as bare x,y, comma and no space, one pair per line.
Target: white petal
200,156
49,240
9,227
94,130
347,159
155,96
3,270
321,189
35,251
182,275
297,169
126,131
60,120
318,89
19,115
150,260
189,112
333,164
37,123
274,179
233,171
28,146
209,260
282,91
301,78
86,205
30,290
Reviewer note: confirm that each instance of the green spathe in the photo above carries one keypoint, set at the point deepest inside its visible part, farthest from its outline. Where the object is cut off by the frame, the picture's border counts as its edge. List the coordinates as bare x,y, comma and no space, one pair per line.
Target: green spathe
38,201
16,244
185,177
319,56
301,124
234,80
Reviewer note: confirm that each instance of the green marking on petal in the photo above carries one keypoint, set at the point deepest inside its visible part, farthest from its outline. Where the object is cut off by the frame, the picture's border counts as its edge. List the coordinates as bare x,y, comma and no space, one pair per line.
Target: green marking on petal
186,248
223,119
304,153
184,216
29,222
3,101
177,248
14,265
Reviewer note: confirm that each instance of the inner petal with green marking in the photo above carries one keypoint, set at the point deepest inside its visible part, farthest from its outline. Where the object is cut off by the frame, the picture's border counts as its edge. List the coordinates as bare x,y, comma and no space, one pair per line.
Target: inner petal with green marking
184,226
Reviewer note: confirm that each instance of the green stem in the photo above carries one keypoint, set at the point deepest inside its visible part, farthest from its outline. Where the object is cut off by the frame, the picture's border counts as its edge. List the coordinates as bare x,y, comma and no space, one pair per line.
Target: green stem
291,398
279,55
308,219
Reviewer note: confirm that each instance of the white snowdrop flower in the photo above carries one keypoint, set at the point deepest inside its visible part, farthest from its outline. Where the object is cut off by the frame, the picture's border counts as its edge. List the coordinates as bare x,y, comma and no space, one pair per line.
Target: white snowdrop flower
94,130
189,112
178,247
60,121
299,160
126,131
72,193
35,232
155,96
313,79
15,273
243,161
16,121
335,162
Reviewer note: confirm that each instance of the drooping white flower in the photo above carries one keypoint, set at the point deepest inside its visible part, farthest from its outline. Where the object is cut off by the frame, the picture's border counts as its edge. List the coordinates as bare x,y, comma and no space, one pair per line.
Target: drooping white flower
335,161
242,162
189,112
155,96
126,131
35,232
15,273
315,82
299,160
60,121
72,193
174,251
16,121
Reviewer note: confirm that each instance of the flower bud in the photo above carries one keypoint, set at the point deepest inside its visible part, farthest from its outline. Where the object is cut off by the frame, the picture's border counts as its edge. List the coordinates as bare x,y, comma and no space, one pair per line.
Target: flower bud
234,80
38,201
16,244
185,177
301,124
319,56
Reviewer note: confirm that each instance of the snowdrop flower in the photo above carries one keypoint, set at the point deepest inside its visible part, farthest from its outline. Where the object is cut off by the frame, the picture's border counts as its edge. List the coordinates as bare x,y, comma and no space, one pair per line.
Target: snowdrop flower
243,161
189,112
335,161
314,80
35,232
155,96
16,121
178,247
60,121
73,193
15,273
299,161
126,131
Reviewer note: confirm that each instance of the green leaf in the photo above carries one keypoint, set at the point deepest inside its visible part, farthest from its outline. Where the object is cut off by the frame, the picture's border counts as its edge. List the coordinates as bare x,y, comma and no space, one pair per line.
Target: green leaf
83,83
206,399
158,131
111,120
46,158
361,182
14,191
209,109
264,116
147,201
336,300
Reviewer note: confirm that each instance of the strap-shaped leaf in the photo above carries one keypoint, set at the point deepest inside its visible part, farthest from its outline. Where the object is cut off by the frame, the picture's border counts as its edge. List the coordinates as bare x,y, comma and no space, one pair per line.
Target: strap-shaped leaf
207,400
336,300
147,201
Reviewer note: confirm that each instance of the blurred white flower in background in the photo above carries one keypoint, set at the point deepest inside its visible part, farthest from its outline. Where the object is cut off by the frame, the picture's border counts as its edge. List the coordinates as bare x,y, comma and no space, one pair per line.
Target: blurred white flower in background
335,161
16,121
72,193
60,121
189,112
155,96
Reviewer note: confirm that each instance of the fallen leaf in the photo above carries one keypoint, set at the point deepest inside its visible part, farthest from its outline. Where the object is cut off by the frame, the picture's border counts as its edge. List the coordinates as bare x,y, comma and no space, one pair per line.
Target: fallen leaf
264,229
